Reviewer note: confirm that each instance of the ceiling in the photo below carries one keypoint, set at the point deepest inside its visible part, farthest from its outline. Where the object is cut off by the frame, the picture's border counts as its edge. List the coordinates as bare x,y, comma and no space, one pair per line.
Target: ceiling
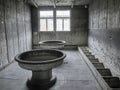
58,2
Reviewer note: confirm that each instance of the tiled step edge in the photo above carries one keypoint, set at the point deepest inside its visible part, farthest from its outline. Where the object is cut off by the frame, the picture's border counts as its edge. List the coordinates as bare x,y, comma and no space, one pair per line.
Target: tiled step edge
113,82
98,65
104,72
95,73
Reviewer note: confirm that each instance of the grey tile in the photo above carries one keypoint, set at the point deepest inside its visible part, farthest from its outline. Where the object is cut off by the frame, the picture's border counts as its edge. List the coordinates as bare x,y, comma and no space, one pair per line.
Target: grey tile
10,84
75,85
13,71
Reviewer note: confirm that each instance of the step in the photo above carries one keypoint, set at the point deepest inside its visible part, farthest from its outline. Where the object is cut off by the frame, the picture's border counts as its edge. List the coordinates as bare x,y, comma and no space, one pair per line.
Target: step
91,56
105,72
113,82
85,50
98,65
94,60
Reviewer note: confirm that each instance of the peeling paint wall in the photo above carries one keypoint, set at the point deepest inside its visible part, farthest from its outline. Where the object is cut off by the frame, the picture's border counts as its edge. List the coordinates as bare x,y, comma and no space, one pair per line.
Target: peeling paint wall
104,32
79,28
15,29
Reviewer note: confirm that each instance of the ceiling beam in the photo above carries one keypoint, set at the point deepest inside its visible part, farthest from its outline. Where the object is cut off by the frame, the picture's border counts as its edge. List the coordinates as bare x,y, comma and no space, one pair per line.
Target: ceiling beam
55,2
35,4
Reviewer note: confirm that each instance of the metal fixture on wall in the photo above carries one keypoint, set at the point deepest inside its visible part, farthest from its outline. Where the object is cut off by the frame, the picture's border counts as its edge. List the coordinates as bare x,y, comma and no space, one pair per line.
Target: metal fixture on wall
86,6
55,2
35,3
72,3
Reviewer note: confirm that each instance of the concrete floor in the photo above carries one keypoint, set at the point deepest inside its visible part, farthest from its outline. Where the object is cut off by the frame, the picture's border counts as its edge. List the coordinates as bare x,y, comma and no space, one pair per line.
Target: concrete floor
73,74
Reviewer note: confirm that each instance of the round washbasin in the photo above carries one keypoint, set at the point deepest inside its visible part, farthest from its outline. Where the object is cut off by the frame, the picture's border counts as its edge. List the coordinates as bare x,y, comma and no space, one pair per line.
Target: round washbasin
52,44
40,59
40,62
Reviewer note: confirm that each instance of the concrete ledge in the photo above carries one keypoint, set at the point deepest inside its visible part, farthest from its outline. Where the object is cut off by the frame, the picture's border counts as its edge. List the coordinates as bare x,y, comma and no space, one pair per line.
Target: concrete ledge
113,82
66,47
96,74
102,75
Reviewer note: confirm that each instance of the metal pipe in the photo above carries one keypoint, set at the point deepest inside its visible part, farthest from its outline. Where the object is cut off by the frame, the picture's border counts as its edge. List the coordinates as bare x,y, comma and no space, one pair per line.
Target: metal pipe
54,3
72,3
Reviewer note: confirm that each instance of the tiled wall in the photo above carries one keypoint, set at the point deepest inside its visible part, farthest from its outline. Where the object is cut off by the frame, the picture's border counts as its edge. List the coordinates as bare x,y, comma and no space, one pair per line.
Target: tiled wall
104,32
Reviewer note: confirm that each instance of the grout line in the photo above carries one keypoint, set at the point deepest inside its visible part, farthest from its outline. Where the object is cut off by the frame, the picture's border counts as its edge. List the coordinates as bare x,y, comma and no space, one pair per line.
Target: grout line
11,78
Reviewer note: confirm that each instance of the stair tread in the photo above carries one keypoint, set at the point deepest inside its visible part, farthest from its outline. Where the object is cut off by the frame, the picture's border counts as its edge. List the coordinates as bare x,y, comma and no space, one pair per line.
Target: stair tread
98,65
105,72
113,82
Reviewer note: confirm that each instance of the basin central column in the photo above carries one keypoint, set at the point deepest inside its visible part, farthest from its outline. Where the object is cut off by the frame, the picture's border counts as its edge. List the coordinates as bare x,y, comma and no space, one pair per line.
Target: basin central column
41,79
41,76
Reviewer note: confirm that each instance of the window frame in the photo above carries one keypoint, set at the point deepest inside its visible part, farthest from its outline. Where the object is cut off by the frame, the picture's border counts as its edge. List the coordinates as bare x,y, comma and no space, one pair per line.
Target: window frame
46,19
55,19
63,18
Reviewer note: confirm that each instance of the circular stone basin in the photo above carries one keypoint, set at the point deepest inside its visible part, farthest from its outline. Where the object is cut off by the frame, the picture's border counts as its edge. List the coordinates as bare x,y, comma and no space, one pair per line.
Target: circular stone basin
40,62
52,44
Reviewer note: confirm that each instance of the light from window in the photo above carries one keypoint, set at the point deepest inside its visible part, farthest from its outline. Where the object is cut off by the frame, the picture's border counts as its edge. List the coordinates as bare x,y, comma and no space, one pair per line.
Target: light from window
50,24
63,13
66,24
46,13
59,25
43,25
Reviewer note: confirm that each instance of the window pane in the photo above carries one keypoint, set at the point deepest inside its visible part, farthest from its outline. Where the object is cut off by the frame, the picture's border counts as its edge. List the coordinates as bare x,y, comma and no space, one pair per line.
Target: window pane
59,25
42,24
46,13
63,13
50,24
66,24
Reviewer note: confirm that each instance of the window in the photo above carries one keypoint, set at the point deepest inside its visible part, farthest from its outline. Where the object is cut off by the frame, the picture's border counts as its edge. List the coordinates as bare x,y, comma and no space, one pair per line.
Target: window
48,20
63,20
